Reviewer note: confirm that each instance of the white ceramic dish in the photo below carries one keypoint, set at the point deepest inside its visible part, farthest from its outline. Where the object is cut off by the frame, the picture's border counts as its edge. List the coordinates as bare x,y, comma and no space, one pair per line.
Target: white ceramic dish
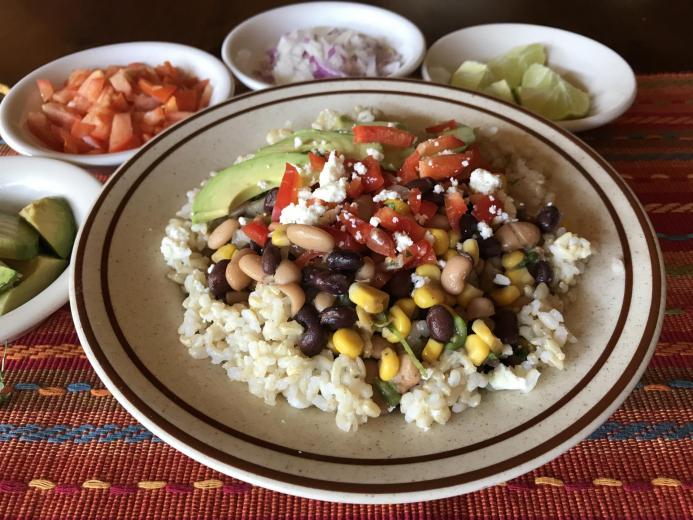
23,179
589,64
246,45
24,96
127,313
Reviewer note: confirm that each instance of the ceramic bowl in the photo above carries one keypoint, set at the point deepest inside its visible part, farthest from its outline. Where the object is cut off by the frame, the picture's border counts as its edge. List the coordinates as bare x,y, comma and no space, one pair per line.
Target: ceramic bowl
127,313
587,63
246,46
24,96
23,179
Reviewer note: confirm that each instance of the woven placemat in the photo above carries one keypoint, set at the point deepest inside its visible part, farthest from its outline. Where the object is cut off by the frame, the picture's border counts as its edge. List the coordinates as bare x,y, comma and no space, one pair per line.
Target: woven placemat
68,449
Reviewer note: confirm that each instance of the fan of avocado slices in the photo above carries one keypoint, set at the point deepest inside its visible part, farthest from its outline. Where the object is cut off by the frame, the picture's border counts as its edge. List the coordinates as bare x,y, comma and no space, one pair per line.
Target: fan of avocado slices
35,246
521,76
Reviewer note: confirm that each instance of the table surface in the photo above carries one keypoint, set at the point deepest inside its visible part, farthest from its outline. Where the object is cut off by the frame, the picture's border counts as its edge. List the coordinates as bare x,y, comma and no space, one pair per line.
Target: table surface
69,450
653,36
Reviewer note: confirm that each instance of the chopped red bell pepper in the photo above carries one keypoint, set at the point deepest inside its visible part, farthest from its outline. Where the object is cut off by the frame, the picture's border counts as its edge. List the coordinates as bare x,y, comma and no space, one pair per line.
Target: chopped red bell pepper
419,253
317,162
393,221
428,209
438,144
455,207
384,135
288,191
414,200
354,188
441,127
374,238
257,232
306,257
344,240
373,179
486,207
443,167
410,168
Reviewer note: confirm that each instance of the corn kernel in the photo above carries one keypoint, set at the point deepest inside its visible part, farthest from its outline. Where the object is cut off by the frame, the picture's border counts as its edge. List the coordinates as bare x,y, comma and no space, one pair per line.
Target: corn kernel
348,342
223,253
482,330
407,305
389,364
520,277
279,237
512,260
365,321
371,299
399,206
468,293
450,253
401,323
441,240
430,271
428,296
455,237
431,352
471,247
505,295
477,349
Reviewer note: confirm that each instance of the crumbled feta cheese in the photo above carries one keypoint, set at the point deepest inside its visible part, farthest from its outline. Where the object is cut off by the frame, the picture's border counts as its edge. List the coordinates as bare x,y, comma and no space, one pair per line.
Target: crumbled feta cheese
301,213
442,263
483,181
333,181
375,153
454,182
298,142
447,152
392,264
358,236
360,168
428,237
438,188
419,281
243,220
506,378
374,221
364,115
386,195
501,279
402,241
507,350
484,229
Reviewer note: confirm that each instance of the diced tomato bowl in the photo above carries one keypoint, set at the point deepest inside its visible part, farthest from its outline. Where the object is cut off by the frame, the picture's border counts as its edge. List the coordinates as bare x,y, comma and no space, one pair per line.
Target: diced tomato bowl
97,107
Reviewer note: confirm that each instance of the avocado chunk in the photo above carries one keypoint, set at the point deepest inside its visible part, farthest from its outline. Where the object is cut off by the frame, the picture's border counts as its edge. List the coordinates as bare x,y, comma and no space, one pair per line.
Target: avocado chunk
37,274
18,240
463,133
241,182
8,276
54,221
323,141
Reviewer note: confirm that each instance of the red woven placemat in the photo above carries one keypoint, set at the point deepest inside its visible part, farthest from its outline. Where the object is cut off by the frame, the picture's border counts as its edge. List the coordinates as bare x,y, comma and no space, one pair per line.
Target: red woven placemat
68,450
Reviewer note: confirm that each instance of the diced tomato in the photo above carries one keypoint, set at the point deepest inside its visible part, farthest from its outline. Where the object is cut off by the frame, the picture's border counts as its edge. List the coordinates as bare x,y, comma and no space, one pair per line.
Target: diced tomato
64,95
59,114
375,239
80,104
101,119
373,179
317,162
455,207
77,77
257,232
343,240
174,117
384,135
154,117
80,130
485,207
144,103
93,85
410,168
122,136
305,258
186,99
428,209
414,200
121,82
95,144
288,191
438,144
70,143
393,221
45,89
355,187
443,166
171,105
205,96
419,253
40,126
160,92
441,127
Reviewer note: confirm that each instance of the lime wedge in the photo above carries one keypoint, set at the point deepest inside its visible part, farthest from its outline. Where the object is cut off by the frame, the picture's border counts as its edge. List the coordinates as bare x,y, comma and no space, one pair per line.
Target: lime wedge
545,92
472,75
513,64
501,90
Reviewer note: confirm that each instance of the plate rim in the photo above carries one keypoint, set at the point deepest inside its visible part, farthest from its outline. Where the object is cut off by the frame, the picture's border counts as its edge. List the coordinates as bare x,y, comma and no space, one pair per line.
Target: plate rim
621,388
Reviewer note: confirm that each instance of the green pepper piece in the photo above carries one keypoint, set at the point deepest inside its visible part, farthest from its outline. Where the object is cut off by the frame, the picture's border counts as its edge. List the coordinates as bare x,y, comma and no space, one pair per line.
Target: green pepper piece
531,257
460,336
409,351
388,391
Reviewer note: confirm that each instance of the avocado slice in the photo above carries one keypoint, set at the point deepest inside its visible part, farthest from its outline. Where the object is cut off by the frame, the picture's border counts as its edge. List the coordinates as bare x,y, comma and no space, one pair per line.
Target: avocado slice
37,274
8,276
240,182
322,140
54,221
18,240
463,133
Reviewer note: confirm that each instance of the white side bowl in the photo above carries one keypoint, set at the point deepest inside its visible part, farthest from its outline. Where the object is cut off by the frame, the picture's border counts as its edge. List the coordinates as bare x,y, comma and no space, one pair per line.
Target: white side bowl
587,63
24,96
23,179
246,46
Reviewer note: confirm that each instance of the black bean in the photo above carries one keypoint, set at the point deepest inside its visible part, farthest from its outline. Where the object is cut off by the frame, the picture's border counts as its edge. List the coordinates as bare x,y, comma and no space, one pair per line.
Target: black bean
506,327
312,341
440,323
541,271
338,317
331,282
271,257
548,218
216,279
436,198
270,199
255,247
344,261
489,366
490,247
295,251
308,275
468,226
308,316
400,285
425,184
